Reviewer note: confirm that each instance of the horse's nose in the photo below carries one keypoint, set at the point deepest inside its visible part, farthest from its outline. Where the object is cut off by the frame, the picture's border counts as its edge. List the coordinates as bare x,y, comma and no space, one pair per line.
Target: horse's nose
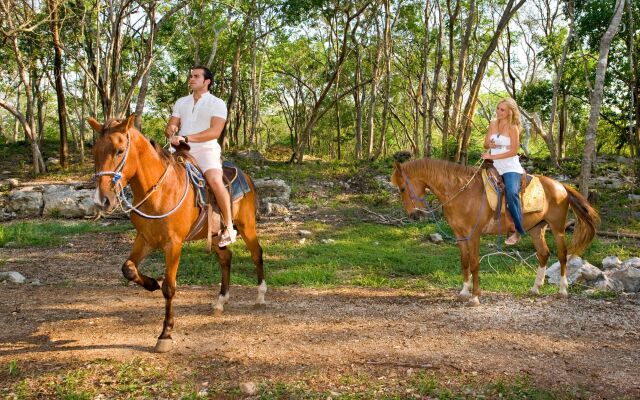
102,202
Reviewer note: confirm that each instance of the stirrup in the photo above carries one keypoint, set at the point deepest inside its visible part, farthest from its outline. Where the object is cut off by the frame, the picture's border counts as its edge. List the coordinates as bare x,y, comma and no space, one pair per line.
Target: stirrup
228,237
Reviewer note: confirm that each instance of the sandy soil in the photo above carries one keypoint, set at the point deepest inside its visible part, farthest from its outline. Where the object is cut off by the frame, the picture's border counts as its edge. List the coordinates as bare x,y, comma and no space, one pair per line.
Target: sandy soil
82,311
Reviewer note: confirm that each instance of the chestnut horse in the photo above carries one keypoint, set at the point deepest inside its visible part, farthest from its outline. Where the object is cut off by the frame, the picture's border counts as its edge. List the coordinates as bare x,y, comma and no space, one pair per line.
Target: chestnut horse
165,211
466,208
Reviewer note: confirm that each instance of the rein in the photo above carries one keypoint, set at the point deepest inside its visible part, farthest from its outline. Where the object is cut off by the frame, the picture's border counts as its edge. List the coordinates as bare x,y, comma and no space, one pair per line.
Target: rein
428,210
122,198
431,211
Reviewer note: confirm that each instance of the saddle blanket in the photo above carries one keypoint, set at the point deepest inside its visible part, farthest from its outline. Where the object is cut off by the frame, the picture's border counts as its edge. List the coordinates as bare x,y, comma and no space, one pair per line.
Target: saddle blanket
532,199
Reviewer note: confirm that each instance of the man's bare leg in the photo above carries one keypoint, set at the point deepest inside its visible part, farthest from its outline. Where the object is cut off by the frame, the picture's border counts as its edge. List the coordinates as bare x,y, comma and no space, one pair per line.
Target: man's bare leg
214,179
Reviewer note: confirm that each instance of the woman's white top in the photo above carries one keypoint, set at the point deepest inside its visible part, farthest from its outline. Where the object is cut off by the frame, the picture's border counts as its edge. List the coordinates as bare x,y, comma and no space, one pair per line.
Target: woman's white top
196,116
510,164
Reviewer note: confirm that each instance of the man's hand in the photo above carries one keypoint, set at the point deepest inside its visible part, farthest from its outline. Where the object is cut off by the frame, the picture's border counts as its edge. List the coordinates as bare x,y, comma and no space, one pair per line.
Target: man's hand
486,156
175,140
170,131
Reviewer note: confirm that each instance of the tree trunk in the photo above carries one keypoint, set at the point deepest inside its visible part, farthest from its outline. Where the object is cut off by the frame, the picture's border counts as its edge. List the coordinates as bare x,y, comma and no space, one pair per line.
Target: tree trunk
469,110
556,88
57,72
357,100
562,129
596,98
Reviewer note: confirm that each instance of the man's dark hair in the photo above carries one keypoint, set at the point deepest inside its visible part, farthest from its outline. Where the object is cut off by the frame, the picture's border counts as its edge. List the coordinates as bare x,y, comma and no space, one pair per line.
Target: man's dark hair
207,74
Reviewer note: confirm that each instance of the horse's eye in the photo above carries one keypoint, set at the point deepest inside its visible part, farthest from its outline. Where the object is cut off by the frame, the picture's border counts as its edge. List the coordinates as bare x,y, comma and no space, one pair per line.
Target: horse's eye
402,190
119,152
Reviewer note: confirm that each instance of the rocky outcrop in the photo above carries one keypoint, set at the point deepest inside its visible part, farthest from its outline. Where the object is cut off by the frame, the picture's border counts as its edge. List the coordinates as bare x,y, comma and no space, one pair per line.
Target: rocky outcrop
68,201
615,275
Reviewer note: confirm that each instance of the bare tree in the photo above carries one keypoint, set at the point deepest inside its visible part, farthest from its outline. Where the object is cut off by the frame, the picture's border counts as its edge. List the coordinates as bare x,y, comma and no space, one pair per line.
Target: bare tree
596,98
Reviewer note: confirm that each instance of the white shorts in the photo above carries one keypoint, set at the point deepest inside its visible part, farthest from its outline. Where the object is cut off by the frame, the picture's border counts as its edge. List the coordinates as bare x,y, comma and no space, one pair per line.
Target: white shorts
207,155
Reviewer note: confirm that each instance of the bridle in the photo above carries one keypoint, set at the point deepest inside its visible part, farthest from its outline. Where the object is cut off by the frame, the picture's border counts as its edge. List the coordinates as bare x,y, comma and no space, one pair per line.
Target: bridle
431,211
123,202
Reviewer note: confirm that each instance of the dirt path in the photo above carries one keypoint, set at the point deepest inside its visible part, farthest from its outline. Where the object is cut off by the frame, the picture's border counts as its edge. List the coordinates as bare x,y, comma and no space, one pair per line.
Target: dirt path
83,312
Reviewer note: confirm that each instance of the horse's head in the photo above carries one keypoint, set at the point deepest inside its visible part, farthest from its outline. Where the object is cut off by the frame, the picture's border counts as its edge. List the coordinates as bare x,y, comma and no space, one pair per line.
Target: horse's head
409,189
113,158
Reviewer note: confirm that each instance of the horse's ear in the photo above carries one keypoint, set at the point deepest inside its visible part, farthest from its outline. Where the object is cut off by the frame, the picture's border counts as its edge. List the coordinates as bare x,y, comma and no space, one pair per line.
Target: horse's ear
95,125
131,121
396,165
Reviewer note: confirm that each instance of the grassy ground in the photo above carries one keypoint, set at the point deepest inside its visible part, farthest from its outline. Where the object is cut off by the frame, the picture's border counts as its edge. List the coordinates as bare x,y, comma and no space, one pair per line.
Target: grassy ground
345,250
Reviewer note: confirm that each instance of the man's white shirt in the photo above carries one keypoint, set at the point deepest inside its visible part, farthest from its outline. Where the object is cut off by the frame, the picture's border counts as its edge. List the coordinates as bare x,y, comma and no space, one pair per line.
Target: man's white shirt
196,117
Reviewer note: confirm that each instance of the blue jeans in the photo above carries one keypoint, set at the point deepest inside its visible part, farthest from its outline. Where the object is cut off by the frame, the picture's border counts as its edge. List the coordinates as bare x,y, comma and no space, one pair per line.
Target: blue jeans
512,187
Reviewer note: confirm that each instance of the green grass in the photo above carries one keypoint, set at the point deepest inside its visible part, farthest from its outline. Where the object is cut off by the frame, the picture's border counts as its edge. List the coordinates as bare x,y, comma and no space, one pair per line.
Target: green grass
372,255
183,379
50,233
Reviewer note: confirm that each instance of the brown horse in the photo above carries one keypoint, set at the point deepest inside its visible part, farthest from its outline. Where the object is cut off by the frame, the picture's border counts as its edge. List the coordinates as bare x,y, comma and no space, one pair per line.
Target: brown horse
465,206
165,211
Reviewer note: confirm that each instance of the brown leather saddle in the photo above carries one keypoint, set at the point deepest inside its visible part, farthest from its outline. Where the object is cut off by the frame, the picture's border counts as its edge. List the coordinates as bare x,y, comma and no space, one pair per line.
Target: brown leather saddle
209,211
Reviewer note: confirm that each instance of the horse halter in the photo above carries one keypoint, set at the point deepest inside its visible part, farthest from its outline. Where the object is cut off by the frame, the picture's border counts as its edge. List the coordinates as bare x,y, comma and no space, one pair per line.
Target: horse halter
117,174
119,189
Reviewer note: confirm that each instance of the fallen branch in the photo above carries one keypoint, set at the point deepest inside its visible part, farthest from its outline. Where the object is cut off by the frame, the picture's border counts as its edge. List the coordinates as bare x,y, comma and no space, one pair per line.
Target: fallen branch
619,234
382,219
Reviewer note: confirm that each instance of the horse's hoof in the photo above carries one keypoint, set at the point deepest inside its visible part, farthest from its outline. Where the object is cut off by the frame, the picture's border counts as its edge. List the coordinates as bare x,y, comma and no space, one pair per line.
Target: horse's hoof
260,306
163,345
473,302
563,295
534,291
217,312
463,297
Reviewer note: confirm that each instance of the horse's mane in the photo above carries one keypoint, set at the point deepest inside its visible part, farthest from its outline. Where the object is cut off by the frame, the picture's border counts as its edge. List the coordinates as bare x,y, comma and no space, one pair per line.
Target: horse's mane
439,171
166,157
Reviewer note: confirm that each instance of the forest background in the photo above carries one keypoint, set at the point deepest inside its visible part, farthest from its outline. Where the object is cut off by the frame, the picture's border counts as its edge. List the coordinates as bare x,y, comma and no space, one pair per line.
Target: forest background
335,80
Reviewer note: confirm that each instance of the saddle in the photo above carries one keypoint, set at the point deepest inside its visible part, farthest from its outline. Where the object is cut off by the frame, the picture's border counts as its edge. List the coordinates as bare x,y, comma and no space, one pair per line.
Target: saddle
531,190
235,182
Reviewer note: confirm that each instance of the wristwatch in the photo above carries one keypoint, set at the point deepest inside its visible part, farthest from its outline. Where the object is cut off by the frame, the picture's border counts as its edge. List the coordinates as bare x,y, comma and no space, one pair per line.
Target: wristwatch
186,139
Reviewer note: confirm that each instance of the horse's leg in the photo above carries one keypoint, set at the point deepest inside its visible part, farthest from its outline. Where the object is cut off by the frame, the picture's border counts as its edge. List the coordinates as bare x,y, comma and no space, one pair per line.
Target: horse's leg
542,254
465,293
558,235
251,240
172,253
224,259
474,266
130,267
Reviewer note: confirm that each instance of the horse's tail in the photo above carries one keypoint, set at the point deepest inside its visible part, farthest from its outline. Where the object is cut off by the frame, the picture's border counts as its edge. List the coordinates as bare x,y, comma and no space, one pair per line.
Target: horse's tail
586,224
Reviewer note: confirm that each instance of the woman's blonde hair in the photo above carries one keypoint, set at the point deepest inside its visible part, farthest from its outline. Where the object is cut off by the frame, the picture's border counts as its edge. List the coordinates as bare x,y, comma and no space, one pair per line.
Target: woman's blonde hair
515,112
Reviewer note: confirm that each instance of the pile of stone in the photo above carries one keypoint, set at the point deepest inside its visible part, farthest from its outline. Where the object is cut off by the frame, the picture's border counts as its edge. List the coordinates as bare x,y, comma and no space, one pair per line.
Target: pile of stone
48,200
614,275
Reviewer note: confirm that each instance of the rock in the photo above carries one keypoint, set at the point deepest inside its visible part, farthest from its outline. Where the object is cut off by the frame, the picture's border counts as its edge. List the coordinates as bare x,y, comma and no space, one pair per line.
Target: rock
610,262
248,388
67,201
273,191
51,161
275,209
385,183
305,233
26,201
302,241
574,271
435,237
12,276
13,183
629,277
327,241
588,273
250,155
344,185
632,263
634,197
561,178
606,283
